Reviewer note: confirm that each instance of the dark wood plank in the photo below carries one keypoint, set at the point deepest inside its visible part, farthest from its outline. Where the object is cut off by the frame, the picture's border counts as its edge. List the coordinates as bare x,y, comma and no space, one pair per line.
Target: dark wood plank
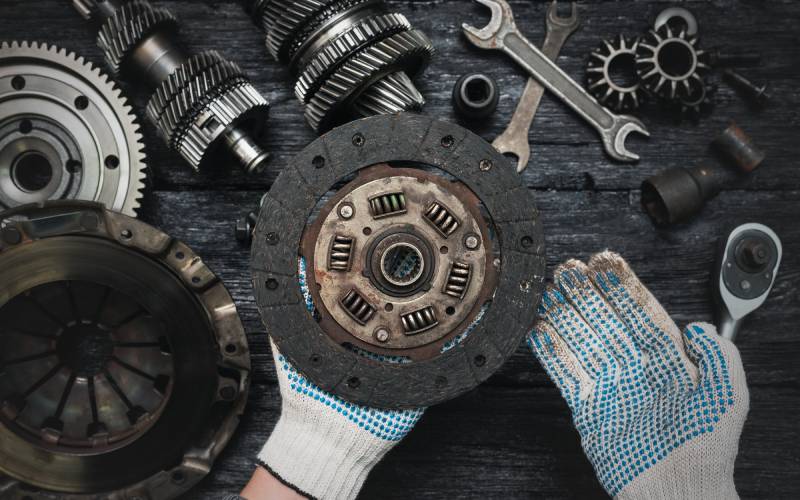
512,437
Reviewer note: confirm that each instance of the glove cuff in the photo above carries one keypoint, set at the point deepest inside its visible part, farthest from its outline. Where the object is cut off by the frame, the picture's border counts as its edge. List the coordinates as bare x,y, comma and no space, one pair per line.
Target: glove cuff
321,454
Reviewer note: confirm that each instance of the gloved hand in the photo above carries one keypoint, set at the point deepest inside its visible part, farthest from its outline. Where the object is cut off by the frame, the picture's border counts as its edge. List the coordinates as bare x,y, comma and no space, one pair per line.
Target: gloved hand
659,413
323,446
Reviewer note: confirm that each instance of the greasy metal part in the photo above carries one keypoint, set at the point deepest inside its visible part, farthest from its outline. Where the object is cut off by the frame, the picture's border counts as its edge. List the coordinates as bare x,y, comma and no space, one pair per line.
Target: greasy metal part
746,268
676,194
738,147
756,93
350,57
475,95
611,75
66,132
700,102
502,34
124,367
391,263
245,225
514,140
406,144
670,64
673,15
204,107
725,57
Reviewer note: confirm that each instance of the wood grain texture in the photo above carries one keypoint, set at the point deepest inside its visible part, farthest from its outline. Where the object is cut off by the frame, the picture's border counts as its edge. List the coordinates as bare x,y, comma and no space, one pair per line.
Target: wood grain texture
512,437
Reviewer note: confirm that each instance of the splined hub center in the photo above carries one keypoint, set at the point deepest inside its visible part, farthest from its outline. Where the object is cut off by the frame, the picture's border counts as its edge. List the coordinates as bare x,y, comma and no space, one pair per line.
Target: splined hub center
401,260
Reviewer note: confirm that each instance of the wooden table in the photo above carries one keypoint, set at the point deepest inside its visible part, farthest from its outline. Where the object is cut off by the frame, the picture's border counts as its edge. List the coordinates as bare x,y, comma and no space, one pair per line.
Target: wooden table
512,437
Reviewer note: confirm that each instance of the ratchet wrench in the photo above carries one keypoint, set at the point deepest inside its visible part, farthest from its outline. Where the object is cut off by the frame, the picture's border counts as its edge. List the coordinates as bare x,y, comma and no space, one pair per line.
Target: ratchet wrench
502,34
515,138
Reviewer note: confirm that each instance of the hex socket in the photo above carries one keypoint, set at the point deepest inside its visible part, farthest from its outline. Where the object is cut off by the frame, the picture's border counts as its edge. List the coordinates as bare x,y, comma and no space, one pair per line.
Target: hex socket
676,194
736,146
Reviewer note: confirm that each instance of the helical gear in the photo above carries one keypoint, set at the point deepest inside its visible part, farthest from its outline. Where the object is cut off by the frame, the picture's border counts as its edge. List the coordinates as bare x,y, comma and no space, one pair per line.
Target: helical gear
201,104
344,55
66,132
616,95
129,25
670,64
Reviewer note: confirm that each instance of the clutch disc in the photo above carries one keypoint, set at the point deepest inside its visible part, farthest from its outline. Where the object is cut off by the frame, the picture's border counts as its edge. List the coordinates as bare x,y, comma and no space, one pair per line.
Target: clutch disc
423,257
66,132
123,363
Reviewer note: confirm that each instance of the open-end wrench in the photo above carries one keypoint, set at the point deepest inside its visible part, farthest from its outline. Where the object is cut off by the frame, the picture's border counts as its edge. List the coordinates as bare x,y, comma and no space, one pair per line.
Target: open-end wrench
502,34
514,139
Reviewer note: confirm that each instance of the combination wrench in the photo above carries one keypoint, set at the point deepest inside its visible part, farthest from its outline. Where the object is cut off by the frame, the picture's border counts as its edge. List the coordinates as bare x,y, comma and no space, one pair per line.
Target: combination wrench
514,140
502,34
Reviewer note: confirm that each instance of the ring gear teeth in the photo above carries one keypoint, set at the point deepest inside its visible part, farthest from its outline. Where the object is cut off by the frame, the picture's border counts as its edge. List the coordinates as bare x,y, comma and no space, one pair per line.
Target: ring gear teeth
204,97
127,27
601,84
121,189
337,51
655,79
368,66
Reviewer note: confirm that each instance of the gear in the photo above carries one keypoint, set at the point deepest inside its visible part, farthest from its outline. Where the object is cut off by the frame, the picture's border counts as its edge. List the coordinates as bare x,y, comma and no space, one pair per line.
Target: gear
430,256
199,101
329,44
66,132
611,75
699,103
204,107
128,26
334,53
405,49
123,358
670,64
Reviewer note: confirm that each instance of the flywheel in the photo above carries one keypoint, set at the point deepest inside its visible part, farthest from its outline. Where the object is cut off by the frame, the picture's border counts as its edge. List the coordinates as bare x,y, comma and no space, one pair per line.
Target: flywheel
66,132
124,366
398,261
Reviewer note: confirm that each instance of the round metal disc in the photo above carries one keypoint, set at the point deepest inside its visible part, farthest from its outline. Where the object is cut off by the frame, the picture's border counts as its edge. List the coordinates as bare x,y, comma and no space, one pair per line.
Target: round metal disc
124,367
66,132
408,141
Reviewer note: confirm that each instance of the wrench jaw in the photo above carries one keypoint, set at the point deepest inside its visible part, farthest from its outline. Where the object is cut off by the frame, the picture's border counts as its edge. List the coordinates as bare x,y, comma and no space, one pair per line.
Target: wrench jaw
614,139
518,152
491,35
567,22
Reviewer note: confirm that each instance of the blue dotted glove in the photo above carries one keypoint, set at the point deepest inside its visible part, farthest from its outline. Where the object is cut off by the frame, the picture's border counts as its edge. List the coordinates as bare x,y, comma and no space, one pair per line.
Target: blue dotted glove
324,446
659,413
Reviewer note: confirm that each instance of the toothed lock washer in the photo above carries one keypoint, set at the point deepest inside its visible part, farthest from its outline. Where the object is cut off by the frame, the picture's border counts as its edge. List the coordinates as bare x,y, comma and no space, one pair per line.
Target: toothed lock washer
409,167
603,82
66,132
670,64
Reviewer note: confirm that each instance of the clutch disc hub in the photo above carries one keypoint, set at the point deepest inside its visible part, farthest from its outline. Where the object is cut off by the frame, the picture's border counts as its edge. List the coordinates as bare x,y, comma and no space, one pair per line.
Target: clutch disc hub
421,253
123,364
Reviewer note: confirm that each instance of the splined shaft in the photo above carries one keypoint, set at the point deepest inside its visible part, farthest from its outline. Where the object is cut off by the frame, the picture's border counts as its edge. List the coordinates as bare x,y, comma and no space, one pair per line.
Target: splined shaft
350,58
204,106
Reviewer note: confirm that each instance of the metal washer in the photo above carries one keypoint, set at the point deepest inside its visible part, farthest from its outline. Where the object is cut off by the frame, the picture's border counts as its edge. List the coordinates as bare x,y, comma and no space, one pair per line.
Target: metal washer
410,139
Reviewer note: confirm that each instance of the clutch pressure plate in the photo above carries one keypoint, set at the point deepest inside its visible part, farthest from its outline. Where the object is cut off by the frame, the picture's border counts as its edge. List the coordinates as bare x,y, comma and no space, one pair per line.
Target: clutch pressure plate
421,253
123,363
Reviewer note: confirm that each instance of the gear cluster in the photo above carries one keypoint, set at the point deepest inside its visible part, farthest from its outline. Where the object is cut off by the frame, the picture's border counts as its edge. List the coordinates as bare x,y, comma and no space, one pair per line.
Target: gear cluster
202,104
350,57
666,64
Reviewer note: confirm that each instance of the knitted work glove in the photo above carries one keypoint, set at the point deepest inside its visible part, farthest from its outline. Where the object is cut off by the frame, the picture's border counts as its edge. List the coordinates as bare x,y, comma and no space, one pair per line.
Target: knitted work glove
659,413
323,446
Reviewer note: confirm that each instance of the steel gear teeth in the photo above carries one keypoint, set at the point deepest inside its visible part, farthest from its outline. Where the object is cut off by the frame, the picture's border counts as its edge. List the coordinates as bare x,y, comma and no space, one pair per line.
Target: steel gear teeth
119,174
368,66
201,104
345,56
617,96
337,51
671,65
700,103
129,25
391,94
